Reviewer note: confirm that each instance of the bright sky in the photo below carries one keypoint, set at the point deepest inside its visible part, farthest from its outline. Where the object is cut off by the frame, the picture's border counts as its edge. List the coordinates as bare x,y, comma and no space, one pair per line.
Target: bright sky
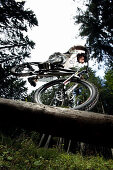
56,31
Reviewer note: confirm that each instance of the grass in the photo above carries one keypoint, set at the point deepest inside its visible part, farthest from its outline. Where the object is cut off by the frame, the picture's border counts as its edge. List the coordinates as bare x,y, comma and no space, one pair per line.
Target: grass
24,154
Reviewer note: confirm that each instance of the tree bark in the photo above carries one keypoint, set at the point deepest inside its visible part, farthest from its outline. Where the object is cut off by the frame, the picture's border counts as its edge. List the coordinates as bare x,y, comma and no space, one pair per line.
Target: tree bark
83,126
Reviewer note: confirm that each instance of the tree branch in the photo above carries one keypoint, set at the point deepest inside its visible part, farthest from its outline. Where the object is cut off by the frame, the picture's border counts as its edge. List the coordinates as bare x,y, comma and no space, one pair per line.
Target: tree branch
12,46
82,126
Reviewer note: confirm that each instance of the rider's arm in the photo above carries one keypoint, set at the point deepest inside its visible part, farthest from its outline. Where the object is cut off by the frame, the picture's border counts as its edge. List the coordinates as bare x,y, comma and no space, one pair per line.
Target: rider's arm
78,47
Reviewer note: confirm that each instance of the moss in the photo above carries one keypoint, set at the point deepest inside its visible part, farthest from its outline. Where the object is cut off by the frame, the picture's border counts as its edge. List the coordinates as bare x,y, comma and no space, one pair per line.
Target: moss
29,156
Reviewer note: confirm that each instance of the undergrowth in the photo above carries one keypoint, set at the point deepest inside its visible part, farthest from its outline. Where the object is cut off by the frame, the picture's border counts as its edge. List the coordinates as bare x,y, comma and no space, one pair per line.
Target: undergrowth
23,153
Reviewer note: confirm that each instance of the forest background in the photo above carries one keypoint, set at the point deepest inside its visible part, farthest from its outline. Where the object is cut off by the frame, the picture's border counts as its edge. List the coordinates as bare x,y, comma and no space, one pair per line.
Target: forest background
15,47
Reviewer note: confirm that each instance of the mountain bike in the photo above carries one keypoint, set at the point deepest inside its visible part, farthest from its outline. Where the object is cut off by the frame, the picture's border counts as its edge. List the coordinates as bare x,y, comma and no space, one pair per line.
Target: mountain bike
68,90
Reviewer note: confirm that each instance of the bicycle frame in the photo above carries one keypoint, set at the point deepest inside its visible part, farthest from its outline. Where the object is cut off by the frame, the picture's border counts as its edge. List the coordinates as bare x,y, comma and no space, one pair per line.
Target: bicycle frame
38,73
67,81
55,72
58,72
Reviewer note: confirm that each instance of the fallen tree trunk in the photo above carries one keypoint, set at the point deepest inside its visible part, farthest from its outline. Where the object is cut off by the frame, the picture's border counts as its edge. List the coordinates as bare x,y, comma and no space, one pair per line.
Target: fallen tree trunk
79,125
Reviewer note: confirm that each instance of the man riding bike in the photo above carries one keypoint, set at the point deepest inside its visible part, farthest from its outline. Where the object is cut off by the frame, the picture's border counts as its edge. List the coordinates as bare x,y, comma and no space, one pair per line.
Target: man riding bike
69,87
64,60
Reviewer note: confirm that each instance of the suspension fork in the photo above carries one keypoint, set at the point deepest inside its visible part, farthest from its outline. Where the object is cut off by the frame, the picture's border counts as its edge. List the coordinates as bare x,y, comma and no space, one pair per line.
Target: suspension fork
69,78
67,81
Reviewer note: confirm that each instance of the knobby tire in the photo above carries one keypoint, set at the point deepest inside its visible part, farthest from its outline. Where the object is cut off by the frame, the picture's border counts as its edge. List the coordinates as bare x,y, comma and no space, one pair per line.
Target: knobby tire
87,104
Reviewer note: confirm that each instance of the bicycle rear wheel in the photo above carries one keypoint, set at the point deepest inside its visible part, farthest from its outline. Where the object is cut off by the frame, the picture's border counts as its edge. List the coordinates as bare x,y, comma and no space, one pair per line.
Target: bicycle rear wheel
25,69
78,94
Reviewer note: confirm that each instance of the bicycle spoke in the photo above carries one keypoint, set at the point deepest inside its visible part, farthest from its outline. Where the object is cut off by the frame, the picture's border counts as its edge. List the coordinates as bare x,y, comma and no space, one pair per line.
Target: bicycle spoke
76,95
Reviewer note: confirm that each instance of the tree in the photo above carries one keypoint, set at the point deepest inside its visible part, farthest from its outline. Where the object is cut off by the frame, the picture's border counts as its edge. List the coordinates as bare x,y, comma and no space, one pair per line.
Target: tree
15,45
109,80
96,25
14,21
107,92
73,124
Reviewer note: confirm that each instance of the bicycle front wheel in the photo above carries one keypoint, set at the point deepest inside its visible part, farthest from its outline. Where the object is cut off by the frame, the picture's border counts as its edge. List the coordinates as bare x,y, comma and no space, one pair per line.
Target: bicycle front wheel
78,94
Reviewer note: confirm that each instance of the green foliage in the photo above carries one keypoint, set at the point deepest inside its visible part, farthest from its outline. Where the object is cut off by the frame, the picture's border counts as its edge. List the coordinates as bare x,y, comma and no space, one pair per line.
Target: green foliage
107,92
109,80
28,156
15,45
30,97
96,25
13,88
105,87
14,21
93,79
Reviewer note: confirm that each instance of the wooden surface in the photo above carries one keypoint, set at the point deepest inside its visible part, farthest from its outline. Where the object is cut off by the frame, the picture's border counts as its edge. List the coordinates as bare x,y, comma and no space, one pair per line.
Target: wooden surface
82,126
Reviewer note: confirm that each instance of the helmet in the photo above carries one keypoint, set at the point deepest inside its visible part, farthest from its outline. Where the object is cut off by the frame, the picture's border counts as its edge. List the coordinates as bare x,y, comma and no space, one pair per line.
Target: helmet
79,51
